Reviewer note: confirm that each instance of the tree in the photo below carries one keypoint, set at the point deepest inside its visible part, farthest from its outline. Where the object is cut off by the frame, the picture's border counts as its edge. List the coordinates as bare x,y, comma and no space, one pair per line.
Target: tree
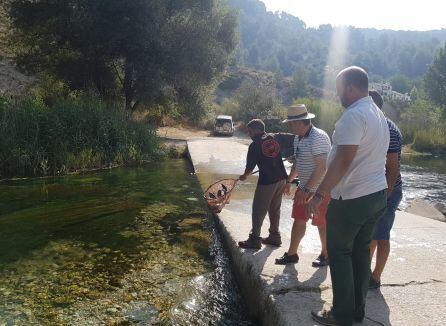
435,79
299,85
140,50
414,95
401,84
255,101
382,52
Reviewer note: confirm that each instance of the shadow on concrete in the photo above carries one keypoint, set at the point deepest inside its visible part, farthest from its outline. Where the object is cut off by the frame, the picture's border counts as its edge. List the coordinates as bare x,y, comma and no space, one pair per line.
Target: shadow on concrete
377,310
260,257
306,296
289,280
317,278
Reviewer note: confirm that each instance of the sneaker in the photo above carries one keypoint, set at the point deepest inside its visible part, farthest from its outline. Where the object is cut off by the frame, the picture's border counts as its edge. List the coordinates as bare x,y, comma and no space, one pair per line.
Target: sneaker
320,261
285,259
272,241
324,317
251,243
374,284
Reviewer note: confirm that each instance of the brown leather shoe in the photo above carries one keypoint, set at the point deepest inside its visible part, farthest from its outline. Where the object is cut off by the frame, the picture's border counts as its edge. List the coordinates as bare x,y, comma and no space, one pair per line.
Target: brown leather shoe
251,243
272,241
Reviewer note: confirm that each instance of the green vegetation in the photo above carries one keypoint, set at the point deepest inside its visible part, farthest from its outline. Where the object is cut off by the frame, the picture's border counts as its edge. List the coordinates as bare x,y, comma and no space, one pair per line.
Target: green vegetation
157,57
141,52
435,80
280,42
423,127
74,134
327,112
254,101
161,59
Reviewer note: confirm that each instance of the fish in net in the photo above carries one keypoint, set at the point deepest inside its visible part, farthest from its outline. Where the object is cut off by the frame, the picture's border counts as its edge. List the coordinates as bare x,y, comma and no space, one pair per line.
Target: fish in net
218,194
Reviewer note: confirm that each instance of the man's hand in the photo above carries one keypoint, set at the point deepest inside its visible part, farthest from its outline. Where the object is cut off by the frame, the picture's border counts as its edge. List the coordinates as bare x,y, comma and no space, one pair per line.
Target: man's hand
312,208
287,189
242,177
392,171
301,197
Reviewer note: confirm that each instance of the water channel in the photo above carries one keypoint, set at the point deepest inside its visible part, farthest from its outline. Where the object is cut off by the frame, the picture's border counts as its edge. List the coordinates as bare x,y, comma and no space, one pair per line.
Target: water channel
132,246
123,247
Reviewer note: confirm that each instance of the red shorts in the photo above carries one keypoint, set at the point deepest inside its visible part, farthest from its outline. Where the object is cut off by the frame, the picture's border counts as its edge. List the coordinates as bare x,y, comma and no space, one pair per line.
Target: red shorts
299,212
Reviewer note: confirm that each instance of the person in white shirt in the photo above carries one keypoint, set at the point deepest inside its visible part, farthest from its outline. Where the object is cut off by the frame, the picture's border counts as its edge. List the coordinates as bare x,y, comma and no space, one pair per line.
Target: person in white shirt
356,180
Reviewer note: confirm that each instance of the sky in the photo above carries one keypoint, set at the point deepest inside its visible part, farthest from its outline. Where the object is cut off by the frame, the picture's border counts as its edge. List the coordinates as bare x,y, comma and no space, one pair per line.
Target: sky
381,14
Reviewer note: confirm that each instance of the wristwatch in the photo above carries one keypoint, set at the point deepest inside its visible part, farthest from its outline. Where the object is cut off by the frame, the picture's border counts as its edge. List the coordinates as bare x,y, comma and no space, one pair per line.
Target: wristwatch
319,196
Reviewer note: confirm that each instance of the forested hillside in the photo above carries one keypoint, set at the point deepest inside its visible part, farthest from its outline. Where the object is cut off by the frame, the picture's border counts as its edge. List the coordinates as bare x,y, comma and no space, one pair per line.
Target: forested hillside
280,42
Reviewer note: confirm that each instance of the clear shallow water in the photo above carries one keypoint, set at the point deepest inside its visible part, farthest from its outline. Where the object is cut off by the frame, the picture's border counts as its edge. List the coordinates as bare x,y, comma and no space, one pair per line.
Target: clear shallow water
423,177
124,247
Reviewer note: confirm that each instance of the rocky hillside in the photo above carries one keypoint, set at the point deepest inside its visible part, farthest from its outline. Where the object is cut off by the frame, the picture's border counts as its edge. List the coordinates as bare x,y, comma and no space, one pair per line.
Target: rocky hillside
12,82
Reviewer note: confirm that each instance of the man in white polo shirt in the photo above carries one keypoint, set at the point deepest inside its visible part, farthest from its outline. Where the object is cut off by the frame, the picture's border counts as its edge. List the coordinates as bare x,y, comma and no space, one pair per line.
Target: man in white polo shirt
311,147
357,182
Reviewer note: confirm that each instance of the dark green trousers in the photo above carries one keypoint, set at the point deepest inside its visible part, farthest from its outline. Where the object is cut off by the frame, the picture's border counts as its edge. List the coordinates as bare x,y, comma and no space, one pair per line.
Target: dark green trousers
350,225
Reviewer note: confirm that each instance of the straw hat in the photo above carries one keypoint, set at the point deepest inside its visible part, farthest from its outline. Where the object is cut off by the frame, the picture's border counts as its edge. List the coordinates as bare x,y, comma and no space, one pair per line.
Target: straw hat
298,112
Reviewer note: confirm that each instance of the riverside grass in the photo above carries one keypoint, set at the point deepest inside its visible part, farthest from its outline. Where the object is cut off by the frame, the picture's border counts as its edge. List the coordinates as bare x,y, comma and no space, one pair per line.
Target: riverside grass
75,134
431,141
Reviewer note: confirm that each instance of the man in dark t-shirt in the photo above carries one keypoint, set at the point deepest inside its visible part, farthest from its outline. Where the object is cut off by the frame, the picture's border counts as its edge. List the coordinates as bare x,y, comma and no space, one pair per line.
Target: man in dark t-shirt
264,152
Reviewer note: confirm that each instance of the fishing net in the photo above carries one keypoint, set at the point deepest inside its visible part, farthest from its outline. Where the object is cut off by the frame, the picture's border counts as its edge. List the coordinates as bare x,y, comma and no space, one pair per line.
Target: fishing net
219,193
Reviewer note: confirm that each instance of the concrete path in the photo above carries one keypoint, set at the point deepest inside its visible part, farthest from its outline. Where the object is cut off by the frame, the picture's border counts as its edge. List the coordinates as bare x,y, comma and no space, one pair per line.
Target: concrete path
414,282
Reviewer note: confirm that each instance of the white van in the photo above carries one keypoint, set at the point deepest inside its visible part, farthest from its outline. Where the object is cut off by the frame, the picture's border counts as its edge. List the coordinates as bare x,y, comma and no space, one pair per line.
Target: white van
223,125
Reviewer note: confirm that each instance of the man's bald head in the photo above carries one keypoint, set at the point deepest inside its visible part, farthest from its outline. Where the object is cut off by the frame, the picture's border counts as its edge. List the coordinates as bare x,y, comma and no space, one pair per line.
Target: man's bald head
354,76
352,83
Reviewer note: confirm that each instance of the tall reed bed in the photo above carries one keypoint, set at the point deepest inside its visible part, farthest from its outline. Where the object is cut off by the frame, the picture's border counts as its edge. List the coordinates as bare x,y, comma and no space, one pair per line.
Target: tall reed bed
73,134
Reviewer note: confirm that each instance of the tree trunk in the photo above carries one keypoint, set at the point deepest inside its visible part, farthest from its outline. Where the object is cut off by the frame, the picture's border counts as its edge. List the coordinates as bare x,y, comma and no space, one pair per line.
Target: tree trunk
135,105
129,91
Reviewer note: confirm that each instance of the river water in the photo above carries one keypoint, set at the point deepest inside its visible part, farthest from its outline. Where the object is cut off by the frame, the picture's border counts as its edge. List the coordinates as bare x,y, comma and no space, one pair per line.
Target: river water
423,177
123,247
131,246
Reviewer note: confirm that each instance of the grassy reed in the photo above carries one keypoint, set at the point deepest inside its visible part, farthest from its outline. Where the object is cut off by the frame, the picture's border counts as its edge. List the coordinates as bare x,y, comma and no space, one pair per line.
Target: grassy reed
432,141
70,135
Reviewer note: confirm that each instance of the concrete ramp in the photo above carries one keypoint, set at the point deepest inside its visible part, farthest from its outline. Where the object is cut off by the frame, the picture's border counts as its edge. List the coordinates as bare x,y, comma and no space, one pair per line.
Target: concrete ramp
217,155
414,282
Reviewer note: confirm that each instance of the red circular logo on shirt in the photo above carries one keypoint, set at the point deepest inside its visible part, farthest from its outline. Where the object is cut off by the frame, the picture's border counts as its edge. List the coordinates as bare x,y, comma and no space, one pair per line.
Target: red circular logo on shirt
270,148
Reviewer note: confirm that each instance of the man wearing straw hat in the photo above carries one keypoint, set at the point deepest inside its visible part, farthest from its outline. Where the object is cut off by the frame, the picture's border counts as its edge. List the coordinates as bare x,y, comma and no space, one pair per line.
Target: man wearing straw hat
311,147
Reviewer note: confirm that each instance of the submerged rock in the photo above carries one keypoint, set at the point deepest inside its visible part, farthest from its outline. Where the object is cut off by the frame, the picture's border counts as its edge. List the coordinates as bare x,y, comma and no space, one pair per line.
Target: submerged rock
441,207
423,208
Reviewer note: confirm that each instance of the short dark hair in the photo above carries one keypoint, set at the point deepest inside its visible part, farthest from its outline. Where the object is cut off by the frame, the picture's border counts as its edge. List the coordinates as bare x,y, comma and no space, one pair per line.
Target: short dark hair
377,98
256,124
355,76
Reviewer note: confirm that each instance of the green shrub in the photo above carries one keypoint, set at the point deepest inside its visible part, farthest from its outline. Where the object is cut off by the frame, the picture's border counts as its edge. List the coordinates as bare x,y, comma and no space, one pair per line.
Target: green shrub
327,112
432,141
408,132
73,134
422,125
